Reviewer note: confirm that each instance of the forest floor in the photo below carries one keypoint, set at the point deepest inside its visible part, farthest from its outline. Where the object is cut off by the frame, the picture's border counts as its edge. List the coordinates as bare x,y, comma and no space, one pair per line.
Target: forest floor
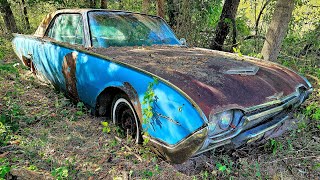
49,137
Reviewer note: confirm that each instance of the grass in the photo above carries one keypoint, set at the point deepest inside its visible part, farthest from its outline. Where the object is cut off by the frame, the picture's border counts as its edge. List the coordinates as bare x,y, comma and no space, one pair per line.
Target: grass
44,134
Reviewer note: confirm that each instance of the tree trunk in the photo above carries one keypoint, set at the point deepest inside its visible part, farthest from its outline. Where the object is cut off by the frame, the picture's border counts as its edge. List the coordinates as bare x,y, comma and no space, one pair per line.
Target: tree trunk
227,16
277,29
25,14
160,8
145,6
104,4
172,12
8,16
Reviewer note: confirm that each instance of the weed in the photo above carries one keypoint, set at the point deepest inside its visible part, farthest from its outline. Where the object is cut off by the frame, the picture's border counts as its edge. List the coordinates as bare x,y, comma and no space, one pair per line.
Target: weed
258,173
274,146
4,168
225,167
237,50
205,175
106,128
147,173
60,173
148,100
32,168
114,143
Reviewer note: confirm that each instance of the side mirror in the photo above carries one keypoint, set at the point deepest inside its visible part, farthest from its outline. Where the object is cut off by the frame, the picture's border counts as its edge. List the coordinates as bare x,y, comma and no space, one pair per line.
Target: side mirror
183,41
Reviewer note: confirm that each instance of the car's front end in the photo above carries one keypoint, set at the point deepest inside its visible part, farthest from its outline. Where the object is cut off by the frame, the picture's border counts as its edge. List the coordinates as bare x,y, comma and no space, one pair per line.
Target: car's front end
237,127
247,101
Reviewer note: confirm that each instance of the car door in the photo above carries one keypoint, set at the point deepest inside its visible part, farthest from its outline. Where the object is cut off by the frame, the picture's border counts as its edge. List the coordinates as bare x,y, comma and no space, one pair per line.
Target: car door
67,30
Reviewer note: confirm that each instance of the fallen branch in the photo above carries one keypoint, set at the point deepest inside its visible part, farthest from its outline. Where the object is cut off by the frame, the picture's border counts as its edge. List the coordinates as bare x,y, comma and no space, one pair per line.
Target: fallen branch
3,155
9,148
128,148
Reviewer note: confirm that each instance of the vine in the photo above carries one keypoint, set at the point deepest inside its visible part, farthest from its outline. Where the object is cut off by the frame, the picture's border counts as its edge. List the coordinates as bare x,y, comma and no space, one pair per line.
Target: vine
148,100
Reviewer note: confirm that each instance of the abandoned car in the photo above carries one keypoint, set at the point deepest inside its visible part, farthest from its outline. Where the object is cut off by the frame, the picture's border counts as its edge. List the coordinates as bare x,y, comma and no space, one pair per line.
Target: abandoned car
132,68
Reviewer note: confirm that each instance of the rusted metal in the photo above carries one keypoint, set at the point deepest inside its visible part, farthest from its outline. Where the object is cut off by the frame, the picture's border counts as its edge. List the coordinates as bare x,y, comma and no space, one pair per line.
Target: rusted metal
183,150
134,98
69,73
200,74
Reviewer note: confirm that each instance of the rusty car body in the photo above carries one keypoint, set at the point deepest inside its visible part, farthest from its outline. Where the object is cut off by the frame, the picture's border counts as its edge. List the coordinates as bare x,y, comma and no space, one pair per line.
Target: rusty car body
128,66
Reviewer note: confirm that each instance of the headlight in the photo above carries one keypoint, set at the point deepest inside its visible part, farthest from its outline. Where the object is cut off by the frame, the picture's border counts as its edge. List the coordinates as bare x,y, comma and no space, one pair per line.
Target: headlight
224,121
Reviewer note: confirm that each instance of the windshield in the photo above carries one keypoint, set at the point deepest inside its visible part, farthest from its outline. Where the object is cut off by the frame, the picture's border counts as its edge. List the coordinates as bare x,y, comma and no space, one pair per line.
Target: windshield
128,29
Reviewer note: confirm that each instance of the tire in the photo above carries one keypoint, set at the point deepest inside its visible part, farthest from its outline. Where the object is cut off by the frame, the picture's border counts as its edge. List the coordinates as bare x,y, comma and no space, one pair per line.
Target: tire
124,116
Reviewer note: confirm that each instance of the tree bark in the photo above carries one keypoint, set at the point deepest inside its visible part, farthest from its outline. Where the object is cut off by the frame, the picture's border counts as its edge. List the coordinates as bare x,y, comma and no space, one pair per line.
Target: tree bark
104,4
160,8
145,6
8,16
277,29
25,14
172,13
227,16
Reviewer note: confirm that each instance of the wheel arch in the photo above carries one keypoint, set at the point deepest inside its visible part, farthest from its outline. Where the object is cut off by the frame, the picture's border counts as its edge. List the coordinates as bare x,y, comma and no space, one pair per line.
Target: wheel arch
106,96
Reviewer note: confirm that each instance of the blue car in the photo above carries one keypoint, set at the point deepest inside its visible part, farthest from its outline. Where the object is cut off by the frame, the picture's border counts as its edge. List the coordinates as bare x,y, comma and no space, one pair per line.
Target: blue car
131,68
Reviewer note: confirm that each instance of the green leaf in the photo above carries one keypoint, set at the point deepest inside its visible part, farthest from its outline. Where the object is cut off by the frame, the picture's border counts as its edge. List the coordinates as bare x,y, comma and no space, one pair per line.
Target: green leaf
222,168
106,130
105,124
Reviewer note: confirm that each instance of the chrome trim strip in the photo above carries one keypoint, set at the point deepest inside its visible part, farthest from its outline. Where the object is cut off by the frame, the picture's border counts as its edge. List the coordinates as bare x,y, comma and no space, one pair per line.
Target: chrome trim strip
273,110
282,100
228,141
268,128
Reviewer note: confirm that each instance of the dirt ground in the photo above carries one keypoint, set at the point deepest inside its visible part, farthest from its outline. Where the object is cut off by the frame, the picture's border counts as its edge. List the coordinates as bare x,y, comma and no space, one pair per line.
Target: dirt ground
59,139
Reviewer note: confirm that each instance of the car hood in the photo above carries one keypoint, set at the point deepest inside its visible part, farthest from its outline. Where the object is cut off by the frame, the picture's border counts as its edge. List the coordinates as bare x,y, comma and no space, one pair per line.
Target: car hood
215,80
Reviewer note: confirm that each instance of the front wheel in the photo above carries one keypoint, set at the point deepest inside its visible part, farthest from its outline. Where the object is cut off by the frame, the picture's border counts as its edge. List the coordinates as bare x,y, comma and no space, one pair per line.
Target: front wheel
124,116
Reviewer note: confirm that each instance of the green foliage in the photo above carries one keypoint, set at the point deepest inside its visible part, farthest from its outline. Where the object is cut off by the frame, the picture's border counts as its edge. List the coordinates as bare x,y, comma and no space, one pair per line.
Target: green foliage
5,134
106,128
32,168
237,50
274,146
313,111
5,47
147,173
81,108
225,167
9,69
60,173
4,168
148,100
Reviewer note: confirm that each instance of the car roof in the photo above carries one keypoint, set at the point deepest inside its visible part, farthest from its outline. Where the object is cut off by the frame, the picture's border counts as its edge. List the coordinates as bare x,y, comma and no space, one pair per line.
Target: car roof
40,32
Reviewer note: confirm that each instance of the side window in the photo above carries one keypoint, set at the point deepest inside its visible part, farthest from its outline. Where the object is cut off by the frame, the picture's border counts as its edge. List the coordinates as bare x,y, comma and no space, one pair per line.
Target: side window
67,28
